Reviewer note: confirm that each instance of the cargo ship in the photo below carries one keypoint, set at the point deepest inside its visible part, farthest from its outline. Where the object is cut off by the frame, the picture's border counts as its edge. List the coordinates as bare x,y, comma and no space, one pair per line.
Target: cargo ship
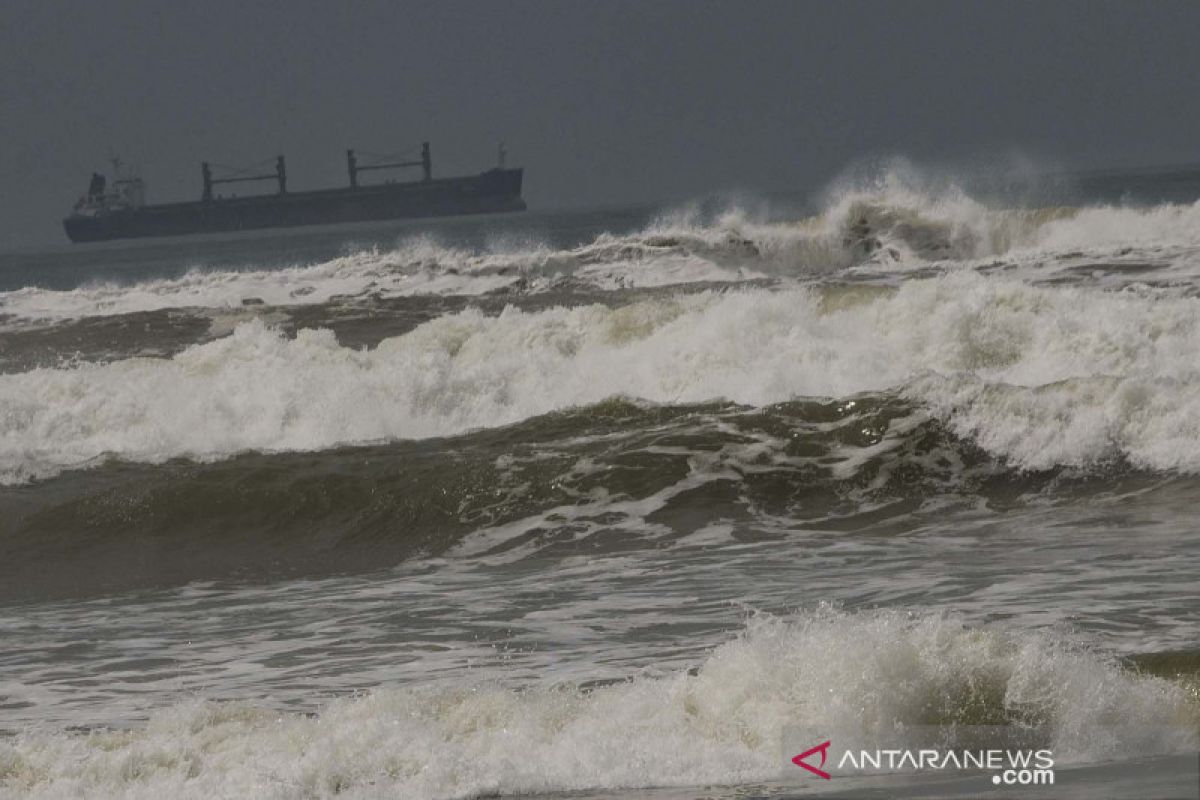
119,211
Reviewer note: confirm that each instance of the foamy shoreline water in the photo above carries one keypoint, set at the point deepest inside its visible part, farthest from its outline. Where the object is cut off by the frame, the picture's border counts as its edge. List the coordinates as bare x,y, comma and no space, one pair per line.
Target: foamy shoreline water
717,725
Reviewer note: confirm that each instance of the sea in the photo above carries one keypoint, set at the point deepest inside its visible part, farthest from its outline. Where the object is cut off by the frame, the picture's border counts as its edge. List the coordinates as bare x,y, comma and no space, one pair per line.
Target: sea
610,503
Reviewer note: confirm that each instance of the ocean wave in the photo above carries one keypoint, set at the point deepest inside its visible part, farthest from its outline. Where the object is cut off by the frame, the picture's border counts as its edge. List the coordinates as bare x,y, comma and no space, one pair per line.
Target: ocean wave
662,255
893,220
1034,375
597,478
721,723
418,266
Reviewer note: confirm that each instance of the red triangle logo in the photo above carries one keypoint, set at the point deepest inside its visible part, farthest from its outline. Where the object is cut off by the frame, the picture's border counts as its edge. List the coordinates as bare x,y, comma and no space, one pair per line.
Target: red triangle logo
799,761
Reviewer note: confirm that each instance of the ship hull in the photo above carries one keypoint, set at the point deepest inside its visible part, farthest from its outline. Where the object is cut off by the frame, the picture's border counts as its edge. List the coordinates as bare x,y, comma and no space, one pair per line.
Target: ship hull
495,191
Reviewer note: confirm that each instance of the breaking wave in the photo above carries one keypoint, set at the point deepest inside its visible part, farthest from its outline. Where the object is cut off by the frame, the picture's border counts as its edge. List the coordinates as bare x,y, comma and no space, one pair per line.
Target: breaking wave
899,215
1037,376
719,724
600,478
890,221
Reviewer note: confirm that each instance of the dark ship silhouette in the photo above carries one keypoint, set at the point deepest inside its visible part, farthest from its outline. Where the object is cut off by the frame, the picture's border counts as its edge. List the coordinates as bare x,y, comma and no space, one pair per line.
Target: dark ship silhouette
121,212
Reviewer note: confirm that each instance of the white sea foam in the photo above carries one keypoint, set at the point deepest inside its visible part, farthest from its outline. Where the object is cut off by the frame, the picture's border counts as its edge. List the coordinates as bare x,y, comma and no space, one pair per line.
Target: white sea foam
1040,376
720,724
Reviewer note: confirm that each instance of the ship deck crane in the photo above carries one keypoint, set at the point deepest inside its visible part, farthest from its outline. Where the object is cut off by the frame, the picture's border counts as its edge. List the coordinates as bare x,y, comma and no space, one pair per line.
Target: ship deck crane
279,175
425,163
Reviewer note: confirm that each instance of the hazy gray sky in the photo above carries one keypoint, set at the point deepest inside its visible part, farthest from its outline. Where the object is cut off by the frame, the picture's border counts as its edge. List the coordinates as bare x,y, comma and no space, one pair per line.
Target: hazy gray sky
602,102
